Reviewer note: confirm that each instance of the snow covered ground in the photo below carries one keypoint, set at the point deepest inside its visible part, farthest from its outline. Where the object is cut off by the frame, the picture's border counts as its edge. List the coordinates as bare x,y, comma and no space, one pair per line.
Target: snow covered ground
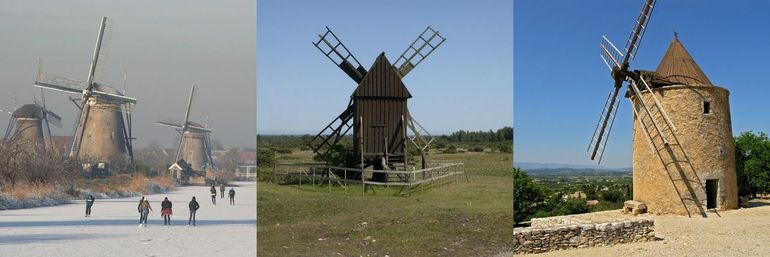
112,229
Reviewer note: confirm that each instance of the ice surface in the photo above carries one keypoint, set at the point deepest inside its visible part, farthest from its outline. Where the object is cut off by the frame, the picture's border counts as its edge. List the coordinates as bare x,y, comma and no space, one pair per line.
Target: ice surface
112,229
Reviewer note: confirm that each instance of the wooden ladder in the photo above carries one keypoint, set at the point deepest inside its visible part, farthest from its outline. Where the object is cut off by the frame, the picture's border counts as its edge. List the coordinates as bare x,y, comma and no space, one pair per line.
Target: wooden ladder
661,136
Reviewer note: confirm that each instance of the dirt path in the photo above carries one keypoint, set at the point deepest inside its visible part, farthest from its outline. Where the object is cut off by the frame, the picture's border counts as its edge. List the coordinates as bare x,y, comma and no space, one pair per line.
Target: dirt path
742,232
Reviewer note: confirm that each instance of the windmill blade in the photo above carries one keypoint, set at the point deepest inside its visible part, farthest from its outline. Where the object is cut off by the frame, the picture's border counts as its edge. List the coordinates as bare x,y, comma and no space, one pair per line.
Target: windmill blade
421,138
635,38
169,124
607,116
186,122
119,99
610,54
189,105
423,46
53,118
59,83
100,51
339,54
199,129
207,146
323,143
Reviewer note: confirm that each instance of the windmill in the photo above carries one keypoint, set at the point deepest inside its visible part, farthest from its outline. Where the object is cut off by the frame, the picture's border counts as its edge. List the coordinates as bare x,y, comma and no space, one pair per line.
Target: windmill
31,123
195,142
377,111
684,160
103,130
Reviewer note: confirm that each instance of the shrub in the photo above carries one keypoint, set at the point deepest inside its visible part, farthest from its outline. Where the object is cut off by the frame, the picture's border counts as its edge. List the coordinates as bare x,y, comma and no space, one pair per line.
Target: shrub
451,150
284,151
477,149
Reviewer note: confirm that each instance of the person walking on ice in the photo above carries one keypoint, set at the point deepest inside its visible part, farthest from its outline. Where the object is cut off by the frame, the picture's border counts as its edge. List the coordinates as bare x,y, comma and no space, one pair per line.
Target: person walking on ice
144,209
139,209
232,196
89,203
165,211
213,194
221,190
193,208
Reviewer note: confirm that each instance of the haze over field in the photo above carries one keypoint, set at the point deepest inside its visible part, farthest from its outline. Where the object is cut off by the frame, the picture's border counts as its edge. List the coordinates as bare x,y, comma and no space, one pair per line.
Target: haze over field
163,46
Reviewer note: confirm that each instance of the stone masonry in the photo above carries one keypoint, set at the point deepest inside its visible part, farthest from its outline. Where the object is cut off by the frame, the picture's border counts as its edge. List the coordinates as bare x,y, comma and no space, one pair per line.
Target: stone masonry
580,235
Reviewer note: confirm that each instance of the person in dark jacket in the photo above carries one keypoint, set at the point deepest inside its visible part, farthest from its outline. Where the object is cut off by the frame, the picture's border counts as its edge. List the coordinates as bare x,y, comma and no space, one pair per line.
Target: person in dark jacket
139,209
193,208
221,190
165,211
213,194
89,203
232,196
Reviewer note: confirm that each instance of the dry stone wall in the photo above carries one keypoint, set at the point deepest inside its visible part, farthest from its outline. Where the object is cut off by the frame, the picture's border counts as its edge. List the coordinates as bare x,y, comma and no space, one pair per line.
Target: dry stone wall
561,237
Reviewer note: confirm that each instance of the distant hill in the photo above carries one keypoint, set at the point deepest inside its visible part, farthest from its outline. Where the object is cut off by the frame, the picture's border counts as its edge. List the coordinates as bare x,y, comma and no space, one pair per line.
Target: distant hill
539,166
555,169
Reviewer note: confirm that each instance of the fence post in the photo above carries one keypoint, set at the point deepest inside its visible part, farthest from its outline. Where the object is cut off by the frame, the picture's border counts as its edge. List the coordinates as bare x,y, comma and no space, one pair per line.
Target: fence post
346,181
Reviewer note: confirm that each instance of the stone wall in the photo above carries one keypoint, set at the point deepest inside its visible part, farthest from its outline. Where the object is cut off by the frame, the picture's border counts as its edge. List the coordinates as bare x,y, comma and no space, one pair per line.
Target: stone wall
544,239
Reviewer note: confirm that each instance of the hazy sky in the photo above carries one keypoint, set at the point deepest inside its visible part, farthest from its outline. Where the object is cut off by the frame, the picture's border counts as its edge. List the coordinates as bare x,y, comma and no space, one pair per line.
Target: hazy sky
465,84
562,83
164,46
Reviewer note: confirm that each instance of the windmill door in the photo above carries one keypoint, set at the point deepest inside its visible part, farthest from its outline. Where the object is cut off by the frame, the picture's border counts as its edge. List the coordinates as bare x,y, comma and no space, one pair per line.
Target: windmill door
711,193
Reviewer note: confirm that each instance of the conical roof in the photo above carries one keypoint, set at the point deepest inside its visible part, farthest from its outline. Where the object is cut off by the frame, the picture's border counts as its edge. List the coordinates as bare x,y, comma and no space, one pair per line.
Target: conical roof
679,67
29,111
382,81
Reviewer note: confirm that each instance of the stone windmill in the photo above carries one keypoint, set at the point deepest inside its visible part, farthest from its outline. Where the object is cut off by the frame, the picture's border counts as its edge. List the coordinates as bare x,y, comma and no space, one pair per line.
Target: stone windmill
103,130
683,153
377,111
195,143
31,124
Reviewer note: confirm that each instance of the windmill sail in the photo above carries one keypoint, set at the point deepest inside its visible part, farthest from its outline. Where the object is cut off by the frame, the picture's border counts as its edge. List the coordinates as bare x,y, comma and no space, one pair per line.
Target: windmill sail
423,46
340,55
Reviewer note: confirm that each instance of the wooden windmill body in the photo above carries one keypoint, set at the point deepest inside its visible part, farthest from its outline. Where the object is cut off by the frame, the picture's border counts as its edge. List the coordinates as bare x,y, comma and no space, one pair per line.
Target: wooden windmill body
378,111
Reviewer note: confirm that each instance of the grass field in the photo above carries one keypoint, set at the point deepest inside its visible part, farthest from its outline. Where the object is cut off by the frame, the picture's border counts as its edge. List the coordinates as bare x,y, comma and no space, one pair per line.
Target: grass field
465,219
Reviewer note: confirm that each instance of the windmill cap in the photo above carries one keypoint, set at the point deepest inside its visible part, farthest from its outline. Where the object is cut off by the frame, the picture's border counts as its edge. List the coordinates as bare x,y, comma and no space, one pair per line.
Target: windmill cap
679,67
107,89
28,111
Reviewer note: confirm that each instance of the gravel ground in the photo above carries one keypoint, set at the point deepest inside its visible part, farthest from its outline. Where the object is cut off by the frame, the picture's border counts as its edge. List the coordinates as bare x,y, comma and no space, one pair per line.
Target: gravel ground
742,232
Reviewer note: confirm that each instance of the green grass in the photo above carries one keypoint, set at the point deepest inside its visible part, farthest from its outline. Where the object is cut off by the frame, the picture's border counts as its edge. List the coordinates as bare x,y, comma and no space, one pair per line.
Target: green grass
465,219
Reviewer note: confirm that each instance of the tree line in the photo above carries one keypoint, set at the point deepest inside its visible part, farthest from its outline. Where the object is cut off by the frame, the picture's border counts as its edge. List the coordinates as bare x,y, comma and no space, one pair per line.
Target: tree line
752,166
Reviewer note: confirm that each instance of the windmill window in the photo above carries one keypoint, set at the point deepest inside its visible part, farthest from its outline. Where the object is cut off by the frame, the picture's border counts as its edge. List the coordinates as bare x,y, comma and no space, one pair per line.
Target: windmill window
706,107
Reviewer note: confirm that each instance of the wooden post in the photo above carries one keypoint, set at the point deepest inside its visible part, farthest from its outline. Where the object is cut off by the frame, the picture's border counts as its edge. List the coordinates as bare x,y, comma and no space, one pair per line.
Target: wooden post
346,181
329,178
361,153
313,178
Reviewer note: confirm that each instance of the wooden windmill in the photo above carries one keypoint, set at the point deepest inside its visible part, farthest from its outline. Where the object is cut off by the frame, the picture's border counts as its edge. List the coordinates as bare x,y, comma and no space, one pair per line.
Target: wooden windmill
103,130
377,111
684,160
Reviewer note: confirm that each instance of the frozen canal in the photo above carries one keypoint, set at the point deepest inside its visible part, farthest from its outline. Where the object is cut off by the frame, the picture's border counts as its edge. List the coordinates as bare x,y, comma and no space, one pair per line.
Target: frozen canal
112,229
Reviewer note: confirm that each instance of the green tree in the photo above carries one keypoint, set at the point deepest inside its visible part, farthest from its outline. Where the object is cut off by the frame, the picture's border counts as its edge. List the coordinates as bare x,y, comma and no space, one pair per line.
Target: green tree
752,163
265,157
527,196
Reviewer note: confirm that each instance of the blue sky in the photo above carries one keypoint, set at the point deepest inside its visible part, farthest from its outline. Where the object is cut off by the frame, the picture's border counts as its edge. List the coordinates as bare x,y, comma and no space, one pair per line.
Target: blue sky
561,83
465,84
